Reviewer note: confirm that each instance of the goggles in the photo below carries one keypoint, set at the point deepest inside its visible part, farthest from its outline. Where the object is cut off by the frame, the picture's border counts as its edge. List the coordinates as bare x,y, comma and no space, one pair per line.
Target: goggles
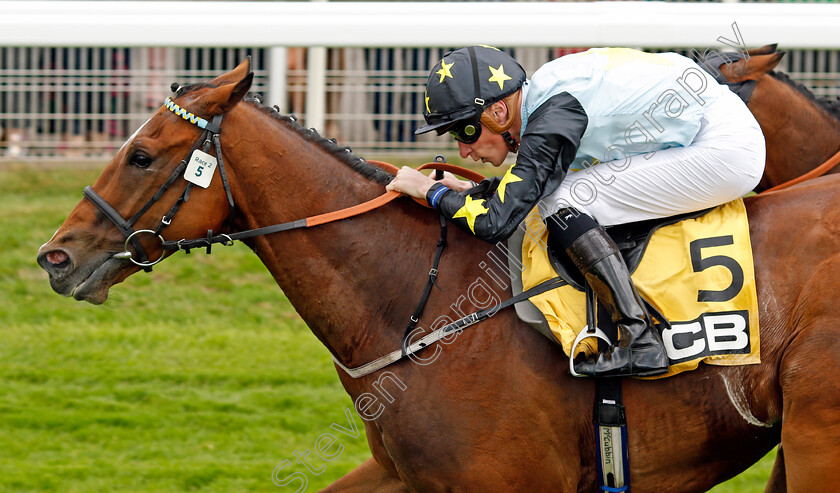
467,131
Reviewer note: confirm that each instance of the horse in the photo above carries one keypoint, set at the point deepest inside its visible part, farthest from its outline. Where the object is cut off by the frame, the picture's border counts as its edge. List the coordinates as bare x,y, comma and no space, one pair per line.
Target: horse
800,144
493,407
801,131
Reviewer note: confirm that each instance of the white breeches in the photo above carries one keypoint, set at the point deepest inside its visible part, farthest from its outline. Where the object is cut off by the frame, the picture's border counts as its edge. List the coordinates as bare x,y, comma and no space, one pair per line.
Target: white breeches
725,161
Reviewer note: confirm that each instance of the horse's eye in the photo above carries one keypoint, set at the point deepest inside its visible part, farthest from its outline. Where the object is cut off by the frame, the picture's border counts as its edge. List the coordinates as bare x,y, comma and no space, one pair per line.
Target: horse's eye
140,160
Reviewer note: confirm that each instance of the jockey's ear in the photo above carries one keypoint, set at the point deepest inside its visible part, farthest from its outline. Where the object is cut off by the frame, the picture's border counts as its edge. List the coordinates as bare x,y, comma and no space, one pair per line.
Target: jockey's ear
500,116
498,112
230,89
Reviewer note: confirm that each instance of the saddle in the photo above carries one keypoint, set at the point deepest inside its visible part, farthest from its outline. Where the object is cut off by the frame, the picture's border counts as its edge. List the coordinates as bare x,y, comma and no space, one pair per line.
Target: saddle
632,240
695,272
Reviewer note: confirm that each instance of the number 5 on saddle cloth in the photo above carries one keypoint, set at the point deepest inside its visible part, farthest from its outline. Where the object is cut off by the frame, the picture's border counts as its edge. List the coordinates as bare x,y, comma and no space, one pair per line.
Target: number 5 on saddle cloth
695,271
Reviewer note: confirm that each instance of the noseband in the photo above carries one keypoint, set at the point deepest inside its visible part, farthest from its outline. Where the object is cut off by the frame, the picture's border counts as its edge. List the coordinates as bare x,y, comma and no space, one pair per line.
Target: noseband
209,137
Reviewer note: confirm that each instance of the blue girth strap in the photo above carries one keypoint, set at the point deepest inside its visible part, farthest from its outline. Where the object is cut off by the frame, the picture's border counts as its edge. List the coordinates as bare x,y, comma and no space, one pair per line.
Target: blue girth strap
609,417
615,490
611,436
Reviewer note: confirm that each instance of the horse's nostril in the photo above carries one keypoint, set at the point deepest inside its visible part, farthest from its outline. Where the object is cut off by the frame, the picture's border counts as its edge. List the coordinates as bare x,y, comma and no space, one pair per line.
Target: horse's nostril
57,258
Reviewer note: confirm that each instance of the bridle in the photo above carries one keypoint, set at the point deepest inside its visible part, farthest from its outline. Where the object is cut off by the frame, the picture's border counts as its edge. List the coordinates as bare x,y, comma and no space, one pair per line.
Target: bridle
209,136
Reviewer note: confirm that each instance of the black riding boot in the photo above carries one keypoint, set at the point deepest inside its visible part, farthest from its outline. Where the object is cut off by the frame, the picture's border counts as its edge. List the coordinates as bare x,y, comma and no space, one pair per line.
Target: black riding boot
640,351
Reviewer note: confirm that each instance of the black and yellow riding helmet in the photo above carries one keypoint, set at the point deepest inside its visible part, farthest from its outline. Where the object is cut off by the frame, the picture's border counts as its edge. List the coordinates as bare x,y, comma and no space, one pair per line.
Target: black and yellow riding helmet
463,84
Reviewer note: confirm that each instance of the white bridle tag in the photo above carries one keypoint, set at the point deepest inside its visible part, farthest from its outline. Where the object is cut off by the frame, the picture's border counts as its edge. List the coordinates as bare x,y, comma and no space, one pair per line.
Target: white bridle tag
200,169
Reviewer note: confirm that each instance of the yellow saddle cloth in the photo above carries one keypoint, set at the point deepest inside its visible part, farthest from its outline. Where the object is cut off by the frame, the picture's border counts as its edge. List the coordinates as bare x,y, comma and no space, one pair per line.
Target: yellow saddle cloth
698,273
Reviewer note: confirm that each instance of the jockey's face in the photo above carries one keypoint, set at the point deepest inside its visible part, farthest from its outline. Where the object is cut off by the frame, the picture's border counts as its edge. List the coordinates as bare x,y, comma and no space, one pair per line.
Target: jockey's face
489,148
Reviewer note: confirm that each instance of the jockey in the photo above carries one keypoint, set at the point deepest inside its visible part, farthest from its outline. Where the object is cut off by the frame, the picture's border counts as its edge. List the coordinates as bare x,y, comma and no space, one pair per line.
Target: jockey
604,137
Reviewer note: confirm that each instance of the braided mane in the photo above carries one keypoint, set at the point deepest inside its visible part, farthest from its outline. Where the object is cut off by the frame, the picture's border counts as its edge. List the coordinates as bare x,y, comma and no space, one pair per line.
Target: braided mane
831,105
342,153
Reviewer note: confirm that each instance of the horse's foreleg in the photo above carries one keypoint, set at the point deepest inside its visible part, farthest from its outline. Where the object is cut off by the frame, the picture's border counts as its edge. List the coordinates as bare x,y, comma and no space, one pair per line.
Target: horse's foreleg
777,482
810,377
368,477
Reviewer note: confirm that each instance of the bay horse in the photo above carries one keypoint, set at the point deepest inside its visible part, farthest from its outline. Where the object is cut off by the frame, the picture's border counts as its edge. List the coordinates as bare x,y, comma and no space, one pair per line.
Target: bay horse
496,409
801,131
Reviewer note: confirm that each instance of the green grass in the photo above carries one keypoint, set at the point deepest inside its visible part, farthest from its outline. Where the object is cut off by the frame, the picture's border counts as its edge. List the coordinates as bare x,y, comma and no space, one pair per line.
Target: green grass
752,480
197,377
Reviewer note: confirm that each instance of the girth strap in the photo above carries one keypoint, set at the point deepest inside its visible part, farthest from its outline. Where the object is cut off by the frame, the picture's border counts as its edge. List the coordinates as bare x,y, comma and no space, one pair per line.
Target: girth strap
611,435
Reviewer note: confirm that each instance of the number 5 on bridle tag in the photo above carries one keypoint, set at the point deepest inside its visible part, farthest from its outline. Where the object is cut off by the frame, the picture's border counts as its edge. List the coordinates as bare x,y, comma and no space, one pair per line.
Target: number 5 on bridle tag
200,169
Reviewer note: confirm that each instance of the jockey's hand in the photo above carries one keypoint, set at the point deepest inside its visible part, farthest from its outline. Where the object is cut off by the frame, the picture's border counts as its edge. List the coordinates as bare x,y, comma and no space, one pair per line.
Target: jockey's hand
414,183
411,182
453,183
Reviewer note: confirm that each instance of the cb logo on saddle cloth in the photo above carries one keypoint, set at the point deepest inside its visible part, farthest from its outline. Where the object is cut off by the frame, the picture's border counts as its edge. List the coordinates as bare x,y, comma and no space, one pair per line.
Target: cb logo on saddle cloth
698,273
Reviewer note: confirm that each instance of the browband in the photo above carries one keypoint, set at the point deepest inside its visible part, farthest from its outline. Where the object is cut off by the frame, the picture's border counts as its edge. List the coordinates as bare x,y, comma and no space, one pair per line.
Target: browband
186,115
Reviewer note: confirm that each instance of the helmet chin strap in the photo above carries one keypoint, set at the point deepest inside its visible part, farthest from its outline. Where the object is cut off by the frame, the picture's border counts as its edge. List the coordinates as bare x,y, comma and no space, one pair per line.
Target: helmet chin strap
511,143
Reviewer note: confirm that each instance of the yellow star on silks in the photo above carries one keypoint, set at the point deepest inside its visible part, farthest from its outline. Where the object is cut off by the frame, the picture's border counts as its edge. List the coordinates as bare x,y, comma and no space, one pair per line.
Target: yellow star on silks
508,178
470,211
444,72
619,56
499,76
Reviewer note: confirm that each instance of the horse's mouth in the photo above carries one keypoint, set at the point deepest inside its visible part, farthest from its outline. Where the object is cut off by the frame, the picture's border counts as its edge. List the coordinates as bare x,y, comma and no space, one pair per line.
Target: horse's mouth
94,288
89,282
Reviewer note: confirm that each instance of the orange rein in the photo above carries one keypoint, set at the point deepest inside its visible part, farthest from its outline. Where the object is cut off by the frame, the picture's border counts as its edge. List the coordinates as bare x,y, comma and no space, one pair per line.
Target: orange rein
389,196
818,171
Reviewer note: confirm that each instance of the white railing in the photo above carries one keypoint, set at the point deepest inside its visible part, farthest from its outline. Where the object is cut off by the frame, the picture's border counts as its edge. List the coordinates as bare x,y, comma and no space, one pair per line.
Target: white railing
412,24
80,75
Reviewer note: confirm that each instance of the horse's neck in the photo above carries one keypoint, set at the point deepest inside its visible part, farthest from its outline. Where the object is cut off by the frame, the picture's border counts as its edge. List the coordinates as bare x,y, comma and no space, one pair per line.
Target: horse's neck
800,136
348,279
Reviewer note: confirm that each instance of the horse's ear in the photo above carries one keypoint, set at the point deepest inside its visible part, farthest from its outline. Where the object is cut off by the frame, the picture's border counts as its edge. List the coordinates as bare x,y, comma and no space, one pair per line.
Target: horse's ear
230,89
764,50
234,75
752,68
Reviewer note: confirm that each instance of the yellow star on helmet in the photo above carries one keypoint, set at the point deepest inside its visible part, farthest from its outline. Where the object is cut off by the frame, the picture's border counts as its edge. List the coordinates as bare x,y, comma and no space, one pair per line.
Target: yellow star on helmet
444,72
506,180
470,211
427,105
499,76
